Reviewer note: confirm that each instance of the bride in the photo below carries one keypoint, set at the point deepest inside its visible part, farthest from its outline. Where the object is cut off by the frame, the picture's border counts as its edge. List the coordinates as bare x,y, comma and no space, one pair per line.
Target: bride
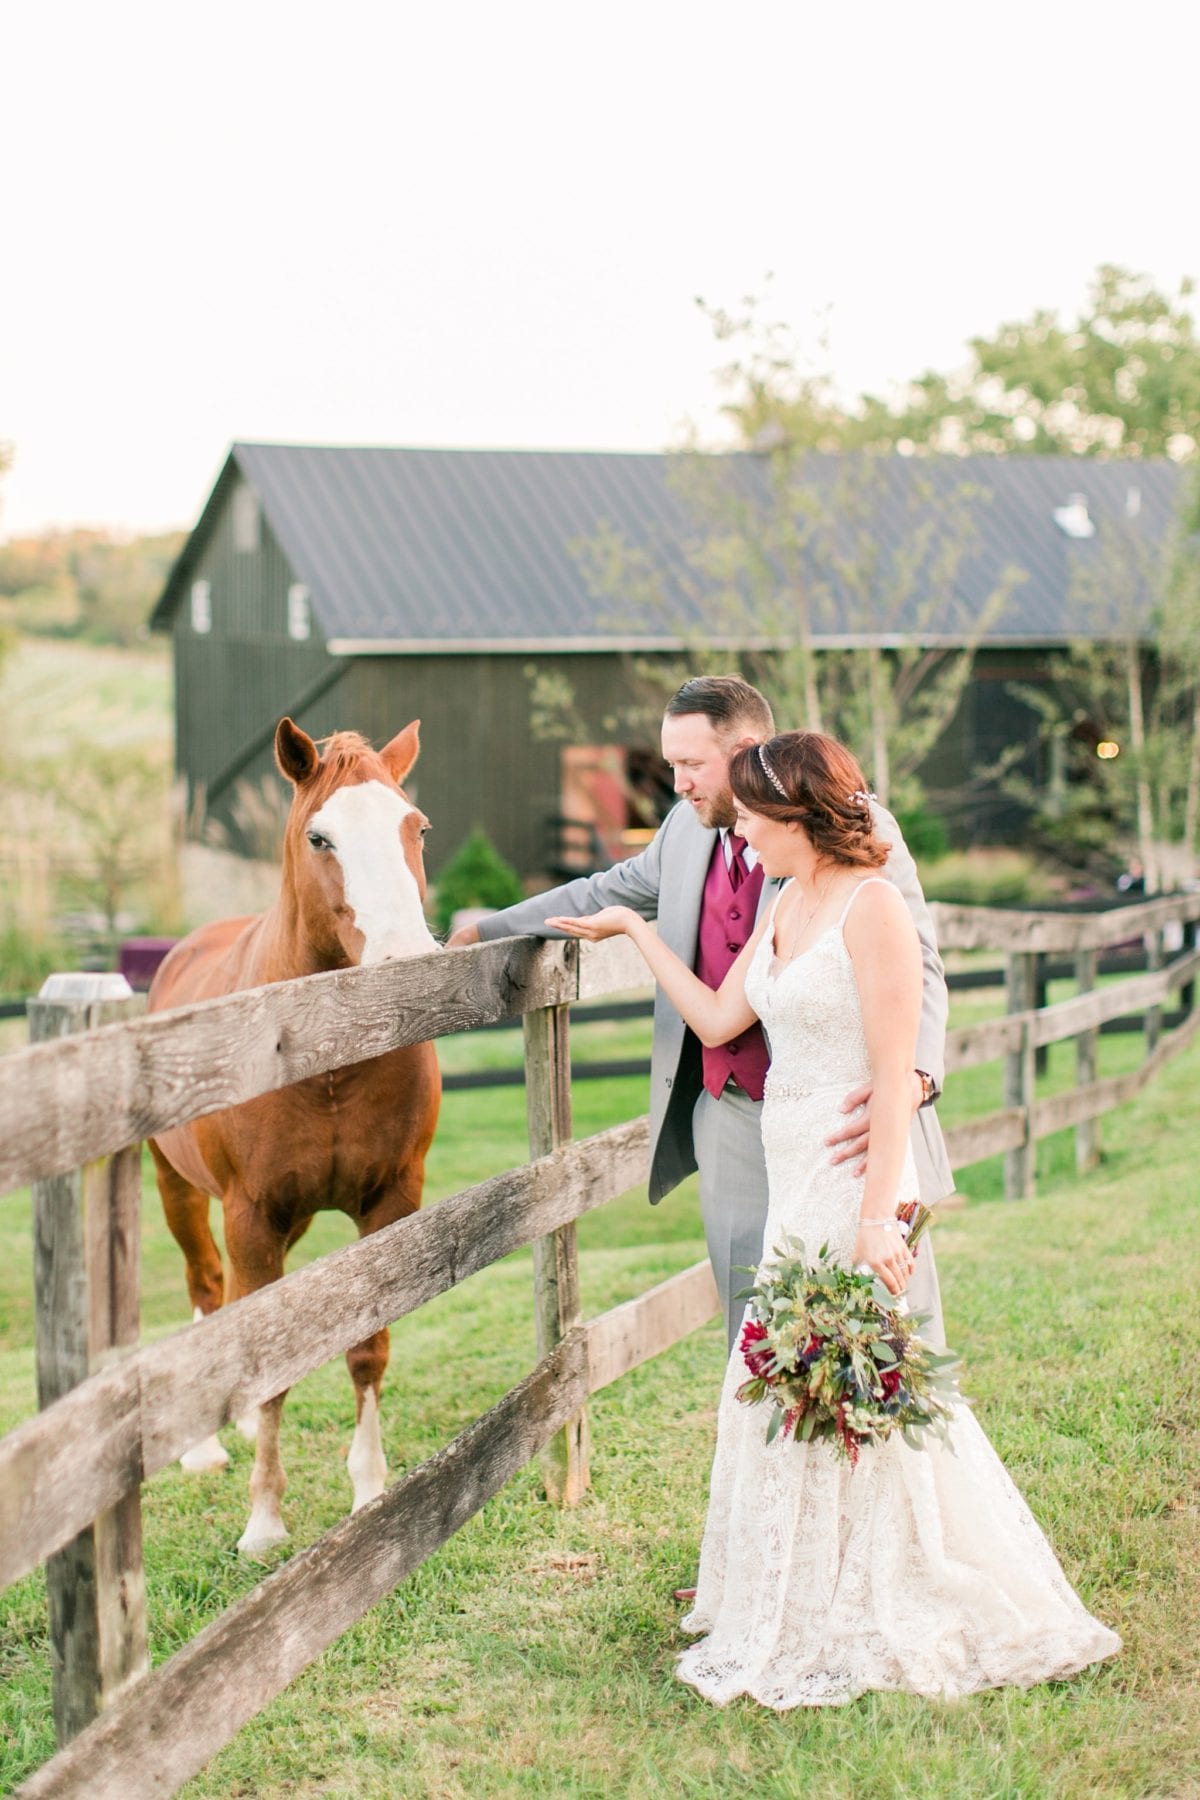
919,1570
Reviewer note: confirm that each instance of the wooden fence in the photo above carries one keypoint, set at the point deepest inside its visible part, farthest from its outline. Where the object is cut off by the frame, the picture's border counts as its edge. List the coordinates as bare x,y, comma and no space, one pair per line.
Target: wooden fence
1027,1028
73,1114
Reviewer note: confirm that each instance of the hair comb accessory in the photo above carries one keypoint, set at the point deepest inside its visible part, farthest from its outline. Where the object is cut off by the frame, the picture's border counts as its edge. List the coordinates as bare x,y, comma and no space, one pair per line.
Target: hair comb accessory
771,776
862,796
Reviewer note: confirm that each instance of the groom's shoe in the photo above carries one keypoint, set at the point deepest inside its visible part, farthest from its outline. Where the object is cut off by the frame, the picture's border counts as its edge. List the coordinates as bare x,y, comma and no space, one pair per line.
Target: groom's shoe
685,1594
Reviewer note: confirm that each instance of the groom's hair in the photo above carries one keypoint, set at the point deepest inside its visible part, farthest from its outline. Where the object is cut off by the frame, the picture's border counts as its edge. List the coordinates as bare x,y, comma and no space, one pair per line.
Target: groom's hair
726,701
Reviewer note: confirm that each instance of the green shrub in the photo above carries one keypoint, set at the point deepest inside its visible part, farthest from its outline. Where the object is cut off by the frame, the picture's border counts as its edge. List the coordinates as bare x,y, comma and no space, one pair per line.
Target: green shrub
476,875
924,832
26,960
996,877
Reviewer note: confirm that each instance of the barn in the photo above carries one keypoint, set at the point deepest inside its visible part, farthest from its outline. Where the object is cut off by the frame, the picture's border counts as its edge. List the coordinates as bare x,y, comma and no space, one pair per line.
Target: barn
362,587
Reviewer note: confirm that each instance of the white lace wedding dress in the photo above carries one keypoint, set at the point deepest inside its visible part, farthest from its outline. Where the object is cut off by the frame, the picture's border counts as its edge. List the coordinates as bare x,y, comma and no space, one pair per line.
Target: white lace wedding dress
919,1570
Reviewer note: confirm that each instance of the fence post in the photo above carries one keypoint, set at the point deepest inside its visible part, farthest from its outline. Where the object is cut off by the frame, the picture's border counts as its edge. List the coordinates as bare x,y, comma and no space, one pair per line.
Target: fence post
1087,1132
555,1258
1041,995
1020,1164
1154,1014
87,1235
1187,993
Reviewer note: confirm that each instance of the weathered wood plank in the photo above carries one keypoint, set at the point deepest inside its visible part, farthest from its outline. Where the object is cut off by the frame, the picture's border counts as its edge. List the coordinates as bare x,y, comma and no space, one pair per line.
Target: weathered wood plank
59,1470
1087,1043
168,1727
971,1141
995,928
1020,1073
556,1302
61,1105
1154,961
1063,1110
87,1234
969,1045
613,967
630,1334
1085,1011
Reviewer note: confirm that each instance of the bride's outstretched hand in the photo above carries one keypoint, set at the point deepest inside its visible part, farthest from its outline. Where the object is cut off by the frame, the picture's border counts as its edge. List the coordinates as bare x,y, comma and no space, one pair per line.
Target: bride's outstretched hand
611,921
881,1245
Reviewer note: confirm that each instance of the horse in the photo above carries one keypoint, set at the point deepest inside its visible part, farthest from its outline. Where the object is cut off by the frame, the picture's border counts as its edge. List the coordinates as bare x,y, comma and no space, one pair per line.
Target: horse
354,1140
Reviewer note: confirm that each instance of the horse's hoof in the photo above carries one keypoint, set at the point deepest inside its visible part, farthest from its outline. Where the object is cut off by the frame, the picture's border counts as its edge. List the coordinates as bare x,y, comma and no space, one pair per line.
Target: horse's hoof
211,1454
262,1535
365,1492
248,1425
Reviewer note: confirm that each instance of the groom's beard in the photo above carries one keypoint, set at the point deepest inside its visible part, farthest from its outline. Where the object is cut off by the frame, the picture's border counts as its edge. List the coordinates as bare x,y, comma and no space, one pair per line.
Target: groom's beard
718,813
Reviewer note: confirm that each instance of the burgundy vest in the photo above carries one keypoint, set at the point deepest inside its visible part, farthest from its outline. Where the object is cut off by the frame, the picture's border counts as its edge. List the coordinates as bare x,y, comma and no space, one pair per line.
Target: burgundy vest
726,924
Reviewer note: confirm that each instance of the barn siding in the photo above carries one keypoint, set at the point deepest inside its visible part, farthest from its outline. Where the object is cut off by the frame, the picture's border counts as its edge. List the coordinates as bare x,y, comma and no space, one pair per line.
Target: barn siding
233,682
480,763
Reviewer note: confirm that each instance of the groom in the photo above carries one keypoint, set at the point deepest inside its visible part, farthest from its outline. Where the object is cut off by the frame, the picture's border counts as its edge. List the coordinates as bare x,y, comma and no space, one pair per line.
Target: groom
704,887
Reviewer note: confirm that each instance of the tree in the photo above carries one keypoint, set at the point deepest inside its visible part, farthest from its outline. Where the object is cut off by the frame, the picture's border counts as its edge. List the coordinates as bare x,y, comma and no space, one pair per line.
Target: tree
86,583
784,556
1122,713
1122,380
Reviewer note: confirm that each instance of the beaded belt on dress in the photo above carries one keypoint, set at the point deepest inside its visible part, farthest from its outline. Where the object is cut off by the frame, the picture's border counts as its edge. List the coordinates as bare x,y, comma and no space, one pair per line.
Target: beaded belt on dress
798,1090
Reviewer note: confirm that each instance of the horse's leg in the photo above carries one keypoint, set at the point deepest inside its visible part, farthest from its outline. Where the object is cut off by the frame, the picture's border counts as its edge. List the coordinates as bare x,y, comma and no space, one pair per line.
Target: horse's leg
366,1464
256,1251
186,1209
247,1423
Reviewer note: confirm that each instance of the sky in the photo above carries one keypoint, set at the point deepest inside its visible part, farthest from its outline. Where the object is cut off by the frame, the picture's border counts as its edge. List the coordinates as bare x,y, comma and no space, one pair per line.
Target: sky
474,224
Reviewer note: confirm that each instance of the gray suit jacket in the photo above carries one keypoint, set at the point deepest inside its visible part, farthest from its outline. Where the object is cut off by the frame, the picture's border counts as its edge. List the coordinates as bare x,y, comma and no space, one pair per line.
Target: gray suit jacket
665,881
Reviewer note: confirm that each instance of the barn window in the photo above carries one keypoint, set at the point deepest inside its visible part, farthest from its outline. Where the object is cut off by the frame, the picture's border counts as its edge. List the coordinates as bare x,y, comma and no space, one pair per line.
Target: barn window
245,520
299,617
202,606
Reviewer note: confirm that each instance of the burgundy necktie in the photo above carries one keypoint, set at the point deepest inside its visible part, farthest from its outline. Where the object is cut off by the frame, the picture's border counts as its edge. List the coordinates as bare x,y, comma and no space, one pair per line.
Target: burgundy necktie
737,867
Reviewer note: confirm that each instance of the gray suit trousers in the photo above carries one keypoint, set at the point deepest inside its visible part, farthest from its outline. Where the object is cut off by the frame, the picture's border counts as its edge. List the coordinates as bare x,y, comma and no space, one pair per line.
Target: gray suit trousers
727,1133
727,1136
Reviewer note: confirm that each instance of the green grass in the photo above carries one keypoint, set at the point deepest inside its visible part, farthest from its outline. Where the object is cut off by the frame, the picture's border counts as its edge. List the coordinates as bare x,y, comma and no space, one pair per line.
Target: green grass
533,1654
56,695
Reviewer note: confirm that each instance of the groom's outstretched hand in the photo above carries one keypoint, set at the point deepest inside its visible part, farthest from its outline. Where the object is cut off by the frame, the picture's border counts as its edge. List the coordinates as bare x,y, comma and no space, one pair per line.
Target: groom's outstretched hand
852,1138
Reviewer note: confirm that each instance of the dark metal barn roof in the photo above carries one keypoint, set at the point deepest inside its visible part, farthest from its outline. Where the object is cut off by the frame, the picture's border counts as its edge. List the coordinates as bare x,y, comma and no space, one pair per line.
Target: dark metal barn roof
480,549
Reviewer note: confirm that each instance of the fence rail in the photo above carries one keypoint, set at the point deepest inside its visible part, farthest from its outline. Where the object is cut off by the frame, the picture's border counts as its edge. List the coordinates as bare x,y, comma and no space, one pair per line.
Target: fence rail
71,1113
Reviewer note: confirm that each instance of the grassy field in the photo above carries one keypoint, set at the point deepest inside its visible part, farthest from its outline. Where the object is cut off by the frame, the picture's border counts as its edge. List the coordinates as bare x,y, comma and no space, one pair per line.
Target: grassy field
57,693
533,1655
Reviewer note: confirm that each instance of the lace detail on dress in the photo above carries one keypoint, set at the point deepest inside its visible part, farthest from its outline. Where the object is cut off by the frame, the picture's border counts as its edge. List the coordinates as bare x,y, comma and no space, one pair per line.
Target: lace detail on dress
920,1570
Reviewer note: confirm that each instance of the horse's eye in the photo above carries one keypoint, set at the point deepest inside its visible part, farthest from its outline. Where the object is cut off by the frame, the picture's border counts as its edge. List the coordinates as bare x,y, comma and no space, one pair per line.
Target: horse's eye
318,841
425,830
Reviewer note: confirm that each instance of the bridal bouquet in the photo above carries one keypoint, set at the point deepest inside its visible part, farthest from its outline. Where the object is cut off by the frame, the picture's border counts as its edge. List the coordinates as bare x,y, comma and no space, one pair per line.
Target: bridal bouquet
828,1347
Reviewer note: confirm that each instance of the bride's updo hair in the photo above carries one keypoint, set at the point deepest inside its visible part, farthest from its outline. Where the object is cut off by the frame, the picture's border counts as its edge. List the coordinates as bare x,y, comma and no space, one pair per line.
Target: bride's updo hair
805,778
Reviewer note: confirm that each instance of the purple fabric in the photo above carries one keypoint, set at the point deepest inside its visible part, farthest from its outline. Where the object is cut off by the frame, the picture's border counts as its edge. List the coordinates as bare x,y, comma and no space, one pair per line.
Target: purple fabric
727,916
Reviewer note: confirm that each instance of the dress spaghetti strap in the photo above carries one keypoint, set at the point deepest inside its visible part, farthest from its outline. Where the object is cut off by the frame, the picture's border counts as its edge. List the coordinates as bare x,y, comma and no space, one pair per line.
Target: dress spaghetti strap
854,893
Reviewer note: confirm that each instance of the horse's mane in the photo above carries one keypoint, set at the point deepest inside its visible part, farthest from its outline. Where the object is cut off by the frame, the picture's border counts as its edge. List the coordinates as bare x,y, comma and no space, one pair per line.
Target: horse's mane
344,754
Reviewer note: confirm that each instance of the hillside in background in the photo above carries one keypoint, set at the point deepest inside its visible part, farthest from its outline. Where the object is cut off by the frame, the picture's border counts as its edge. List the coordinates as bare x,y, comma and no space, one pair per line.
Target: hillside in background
84,583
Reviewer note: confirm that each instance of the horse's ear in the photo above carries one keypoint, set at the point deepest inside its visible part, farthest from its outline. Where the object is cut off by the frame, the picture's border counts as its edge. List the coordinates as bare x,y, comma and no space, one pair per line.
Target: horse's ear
399,756
295,752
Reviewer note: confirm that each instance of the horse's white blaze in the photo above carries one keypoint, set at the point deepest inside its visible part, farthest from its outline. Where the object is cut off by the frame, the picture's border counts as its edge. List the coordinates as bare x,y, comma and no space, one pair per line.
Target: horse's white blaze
363,823
211,1454
365,1464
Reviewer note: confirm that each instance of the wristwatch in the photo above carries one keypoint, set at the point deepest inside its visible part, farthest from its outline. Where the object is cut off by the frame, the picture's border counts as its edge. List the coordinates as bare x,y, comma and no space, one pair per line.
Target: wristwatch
929,1089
